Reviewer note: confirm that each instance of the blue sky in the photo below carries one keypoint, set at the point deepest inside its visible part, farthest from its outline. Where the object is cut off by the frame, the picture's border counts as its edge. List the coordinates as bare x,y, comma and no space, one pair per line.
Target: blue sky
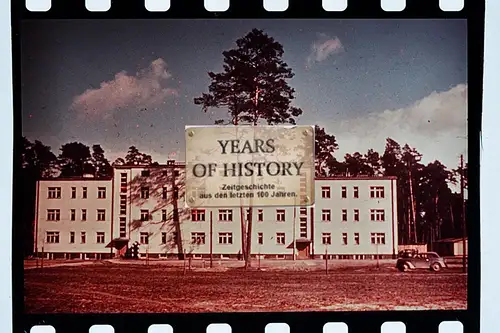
363,80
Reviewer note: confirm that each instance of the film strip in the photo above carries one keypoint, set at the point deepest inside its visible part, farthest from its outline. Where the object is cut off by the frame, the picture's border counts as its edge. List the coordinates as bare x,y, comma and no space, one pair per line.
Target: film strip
90,265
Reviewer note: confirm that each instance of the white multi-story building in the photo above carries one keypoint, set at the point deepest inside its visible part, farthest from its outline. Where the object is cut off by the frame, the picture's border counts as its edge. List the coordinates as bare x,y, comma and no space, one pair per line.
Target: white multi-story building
351,218
73,218
355,217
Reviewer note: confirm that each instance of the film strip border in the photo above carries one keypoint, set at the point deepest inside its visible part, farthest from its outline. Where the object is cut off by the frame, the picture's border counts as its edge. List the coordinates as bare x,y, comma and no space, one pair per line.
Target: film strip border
376,322
244,9
421,321
223,5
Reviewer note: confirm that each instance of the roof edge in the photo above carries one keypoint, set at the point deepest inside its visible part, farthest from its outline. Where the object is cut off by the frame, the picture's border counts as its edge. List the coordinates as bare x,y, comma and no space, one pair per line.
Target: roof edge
357,178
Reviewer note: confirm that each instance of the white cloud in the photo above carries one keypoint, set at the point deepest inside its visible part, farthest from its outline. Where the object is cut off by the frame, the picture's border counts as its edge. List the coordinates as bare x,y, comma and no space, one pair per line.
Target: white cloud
144,89
435,125
322,48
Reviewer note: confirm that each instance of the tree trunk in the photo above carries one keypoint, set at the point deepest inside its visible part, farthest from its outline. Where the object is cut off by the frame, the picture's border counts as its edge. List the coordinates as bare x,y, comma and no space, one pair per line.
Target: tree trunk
413,205
436,213
452,219
242,218
243,234
408,236
248,261
175,215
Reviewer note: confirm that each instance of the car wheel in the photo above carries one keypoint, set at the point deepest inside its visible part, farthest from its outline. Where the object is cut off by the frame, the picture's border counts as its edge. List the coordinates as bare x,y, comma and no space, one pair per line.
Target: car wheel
436,267
401,268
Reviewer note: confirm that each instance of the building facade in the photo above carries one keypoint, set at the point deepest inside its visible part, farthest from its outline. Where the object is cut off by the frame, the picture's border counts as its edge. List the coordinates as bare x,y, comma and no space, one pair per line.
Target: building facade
353,218
73,218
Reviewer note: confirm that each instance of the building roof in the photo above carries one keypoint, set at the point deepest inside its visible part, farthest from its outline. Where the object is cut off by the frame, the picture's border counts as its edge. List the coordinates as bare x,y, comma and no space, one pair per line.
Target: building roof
155,166
76,178
450,240
183,165
357,178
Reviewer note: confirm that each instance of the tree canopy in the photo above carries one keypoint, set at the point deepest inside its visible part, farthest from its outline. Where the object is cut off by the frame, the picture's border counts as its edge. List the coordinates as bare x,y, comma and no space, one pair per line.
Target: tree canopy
253,85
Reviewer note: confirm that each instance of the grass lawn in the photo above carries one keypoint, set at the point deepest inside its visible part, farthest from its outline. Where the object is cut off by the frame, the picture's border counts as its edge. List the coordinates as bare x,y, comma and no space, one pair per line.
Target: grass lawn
106,288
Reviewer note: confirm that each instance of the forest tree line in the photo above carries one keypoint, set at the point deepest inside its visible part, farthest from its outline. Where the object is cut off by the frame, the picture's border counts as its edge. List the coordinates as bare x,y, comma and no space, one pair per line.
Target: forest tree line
437,209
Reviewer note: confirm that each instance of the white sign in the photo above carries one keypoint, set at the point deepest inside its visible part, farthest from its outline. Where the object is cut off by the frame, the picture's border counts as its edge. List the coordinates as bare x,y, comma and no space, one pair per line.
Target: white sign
230,166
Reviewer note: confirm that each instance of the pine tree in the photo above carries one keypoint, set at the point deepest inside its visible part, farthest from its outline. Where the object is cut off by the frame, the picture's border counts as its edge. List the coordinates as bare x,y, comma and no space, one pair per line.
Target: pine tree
253,88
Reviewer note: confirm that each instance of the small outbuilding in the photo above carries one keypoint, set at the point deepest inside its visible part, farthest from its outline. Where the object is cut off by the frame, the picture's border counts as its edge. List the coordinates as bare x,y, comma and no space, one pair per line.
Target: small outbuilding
451,247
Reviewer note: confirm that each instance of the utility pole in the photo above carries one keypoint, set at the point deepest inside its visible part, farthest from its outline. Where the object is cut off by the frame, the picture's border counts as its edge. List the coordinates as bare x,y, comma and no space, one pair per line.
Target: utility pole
211,239
464,231
294,226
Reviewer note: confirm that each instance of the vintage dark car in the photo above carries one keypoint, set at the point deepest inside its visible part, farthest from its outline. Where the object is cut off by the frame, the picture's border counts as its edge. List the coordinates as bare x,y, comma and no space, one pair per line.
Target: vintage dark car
410,260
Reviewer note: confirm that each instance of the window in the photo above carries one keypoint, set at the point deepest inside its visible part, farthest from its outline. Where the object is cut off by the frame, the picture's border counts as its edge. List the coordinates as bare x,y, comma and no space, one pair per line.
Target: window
73,193
101,193
145,173
303,227
225,215
72,237
54,193
164,238
344,215
83,237
356,215
344,238
123,204
144,238
174,237
84,215
100,237
176,173
356,238
377,215
280,215
101,215
198,238
248,215
260,215
84,193
326,238
225,238
280,238
377,238
123,182
325,192
197,215
355,192
52,237
144,215
260,236
53,215
144,192
344,192
164,193
326,215
377,192
163,215
123,227
303,211
72,214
